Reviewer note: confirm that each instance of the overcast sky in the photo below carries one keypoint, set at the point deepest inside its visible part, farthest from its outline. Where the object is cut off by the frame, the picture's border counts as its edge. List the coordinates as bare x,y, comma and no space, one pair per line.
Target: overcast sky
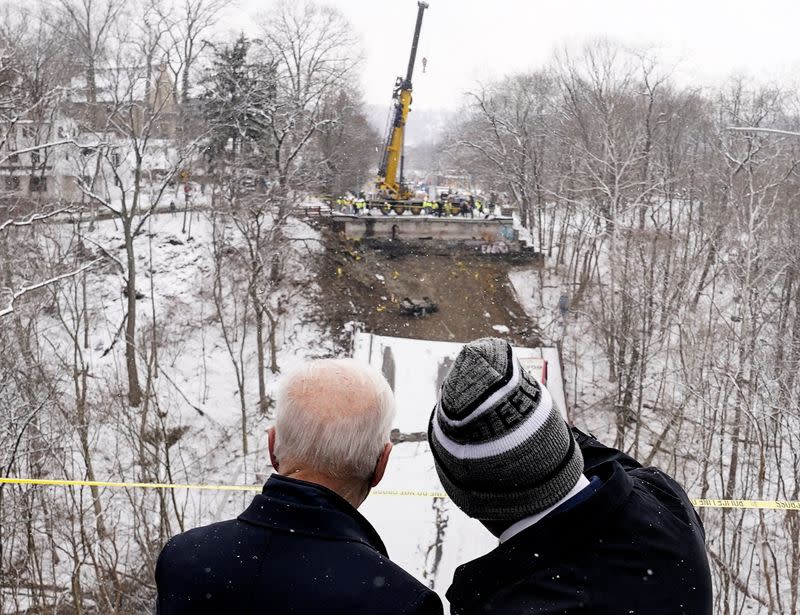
467,41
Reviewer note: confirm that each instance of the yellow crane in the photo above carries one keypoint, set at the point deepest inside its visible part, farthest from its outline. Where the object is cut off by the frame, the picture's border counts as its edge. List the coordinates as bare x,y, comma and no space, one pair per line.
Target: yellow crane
390,184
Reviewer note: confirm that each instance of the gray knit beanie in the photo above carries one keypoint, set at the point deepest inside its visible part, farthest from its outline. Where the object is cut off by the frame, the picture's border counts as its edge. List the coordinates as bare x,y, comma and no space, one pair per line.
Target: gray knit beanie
501,448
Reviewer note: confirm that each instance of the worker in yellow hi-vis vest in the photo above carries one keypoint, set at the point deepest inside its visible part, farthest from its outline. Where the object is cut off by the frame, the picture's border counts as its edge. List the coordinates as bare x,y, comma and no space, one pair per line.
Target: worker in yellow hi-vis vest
360,206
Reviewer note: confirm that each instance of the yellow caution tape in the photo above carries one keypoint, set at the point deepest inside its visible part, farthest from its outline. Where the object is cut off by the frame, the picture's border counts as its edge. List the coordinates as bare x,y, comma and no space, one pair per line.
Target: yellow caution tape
123,485
410,492
126,485
769,504
699,502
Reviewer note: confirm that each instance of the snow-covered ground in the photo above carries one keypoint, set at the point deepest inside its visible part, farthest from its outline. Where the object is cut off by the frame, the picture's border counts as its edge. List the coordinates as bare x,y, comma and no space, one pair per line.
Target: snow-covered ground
583,381
195,381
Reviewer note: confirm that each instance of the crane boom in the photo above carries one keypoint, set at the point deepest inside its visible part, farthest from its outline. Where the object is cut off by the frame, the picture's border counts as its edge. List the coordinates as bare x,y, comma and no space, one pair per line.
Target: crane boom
388,184
421,8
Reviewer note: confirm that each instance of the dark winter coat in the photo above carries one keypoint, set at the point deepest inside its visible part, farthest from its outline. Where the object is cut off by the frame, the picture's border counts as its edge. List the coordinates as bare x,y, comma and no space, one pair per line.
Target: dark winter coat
635,546
298,548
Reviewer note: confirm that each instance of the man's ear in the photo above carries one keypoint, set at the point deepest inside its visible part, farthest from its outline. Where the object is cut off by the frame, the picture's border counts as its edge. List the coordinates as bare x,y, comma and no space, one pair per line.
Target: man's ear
380,467
271,439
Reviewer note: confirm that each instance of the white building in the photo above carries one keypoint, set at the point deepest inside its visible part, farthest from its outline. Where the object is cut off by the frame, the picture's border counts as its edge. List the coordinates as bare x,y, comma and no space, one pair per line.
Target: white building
84,145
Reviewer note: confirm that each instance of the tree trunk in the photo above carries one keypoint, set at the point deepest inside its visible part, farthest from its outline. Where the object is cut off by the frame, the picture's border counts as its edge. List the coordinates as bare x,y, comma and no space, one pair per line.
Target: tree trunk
262,385
185,78
134,390
273,347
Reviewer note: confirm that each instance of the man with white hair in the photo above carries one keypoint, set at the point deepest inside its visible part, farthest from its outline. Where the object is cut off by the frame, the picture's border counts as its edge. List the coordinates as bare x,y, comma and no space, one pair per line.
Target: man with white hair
301,546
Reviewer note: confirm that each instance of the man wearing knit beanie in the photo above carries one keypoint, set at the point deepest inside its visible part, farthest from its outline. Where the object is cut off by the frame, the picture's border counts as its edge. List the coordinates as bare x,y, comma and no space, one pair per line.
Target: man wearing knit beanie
583,528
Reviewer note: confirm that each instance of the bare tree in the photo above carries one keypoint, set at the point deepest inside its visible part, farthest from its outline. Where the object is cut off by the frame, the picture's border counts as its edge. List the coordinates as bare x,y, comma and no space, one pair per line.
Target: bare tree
98,82
671,212
508,131
133,172
343,150
32,79
188,23
312,50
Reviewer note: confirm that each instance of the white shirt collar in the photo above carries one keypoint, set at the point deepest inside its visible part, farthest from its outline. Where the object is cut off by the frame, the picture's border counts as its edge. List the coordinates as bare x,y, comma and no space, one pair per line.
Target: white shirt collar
525,523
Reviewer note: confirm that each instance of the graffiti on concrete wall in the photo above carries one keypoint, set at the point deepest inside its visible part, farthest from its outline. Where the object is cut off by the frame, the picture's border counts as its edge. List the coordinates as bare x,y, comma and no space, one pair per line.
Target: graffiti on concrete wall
507,232
504,233
496,247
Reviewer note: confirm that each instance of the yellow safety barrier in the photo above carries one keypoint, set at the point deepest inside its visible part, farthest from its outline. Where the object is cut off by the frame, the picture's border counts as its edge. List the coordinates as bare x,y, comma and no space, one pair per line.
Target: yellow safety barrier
699,502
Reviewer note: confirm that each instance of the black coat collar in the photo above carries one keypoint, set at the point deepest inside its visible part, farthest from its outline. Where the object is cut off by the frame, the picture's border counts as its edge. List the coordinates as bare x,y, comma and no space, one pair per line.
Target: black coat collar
291,505
551,535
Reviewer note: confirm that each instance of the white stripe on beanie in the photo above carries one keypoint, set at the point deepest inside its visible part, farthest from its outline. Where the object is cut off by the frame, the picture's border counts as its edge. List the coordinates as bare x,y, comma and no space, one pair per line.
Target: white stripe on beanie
508,388
503,444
